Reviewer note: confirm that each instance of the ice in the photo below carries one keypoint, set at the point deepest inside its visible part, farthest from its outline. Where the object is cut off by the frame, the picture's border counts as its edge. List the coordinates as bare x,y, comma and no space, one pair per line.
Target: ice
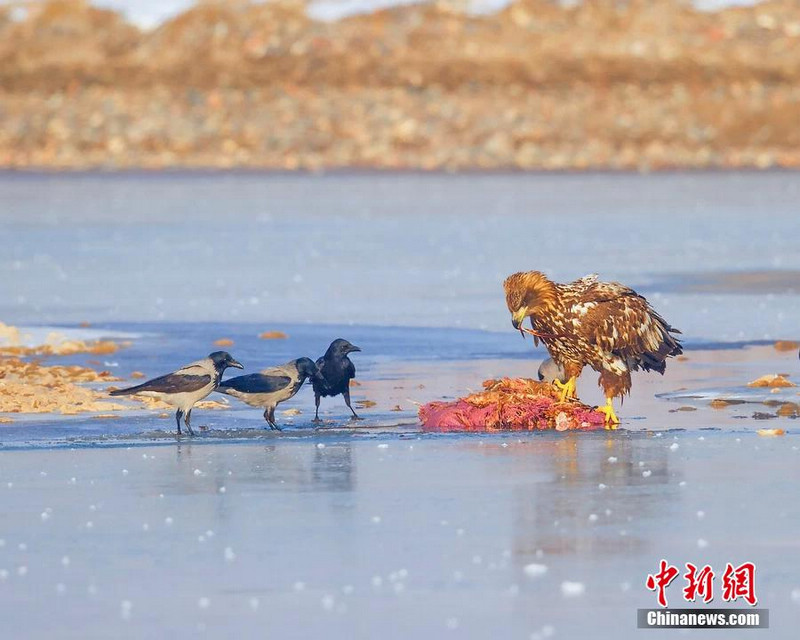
328,602
612,459
593,517
674,446
701,515
230,556
702,543
203,602
572,589
126,607
254,603
293,513
466,216
647,473
796,595
535,570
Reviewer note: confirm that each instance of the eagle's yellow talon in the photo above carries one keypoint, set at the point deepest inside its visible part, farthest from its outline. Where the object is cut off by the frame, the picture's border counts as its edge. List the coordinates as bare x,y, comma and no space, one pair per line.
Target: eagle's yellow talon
611,418
567,388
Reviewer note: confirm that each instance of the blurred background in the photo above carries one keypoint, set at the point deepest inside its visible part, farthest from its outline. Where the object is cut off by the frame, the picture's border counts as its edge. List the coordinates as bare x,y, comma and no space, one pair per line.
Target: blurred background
454,85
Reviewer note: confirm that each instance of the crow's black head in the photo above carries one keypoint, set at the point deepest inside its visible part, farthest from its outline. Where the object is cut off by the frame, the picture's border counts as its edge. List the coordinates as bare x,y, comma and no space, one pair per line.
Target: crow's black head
340,348
222,360
307,368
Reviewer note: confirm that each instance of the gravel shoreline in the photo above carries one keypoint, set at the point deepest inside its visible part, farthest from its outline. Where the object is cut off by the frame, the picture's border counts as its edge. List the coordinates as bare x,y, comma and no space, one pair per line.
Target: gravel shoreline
649,86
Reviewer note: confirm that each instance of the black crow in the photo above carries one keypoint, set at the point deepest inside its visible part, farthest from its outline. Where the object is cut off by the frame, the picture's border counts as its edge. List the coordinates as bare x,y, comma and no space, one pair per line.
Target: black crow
272,386
336,371
187,386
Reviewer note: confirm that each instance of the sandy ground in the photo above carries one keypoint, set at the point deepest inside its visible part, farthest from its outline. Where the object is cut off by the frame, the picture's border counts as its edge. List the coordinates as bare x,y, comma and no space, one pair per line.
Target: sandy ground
644,85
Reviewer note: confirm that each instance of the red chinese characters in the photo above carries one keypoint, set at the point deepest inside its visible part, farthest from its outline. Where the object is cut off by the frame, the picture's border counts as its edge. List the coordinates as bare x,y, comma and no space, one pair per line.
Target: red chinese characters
661,580
739,582
699,583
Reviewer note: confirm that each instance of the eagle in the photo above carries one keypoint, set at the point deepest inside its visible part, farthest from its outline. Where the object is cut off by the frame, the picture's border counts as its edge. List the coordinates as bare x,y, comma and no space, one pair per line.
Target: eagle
605,325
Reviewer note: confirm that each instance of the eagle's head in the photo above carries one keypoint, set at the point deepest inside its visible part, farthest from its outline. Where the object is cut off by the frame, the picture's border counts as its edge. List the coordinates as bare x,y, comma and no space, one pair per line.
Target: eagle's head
527,292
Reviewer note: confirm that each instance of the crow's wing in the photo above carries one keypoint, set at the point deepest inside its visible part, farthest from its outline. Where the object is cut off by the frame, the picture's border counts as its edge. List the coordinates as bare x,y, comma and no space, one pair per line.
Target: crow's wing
170,383
255,383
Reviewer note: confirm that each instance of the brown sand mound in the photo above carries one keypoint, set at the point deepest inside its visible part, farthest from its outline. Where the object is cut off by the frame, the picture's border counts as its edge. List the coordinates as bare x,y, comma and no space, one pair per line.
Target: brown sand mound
644,84
29,387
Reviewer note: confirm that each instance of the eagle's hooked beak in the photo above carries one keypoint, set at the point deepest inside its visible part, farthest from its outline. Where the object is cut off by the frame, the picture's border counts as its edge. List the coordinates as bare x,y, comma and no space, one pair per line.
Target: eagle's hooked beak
518,317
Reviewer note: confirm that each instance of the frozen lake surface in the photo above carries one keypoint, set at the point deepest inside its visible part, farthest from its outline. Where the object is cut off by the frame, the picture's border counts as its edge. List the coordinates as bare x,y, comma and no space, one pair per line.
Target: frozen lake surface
396,250
113,528
365,537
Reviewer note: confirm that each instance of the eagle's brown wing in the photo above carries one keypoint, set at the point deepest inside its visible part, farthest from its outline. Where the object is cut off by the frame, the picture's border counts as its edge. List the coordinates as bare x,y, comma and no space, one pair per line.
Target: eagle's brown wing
621,322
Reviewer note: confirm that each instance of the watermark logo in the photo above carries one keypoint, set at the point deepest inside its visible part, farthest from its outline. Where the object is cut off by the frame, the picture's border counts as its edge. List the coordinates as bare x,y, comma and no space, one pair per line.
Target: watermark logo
737,584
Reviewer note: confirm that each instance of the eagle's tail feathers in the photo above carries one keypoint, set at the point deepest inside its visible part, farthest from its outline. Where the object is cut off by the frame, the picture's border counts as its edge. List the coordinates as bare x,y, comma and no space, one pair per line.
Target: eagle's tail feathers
668,345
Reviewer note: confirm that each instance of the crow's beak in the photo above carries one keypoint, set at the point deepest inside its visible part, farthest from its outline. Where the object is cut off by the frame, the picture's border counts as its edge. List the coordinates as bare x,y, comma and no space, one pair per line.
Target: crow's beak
353,348
235,364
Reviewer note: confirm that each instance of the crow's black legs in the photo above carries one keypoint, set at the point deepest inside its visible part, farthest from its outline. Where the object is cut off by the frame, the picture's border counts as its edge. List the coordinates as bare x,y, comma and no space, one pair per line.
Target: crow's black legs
346,395
186,416
316,402
188,425
269,416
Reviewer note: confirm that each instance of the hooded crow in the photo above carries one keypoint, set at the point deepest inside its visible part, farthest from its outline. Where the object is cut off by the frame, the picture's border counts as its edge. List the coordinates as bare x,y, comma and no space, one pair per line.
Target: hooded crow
272,386
187,386
336,371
